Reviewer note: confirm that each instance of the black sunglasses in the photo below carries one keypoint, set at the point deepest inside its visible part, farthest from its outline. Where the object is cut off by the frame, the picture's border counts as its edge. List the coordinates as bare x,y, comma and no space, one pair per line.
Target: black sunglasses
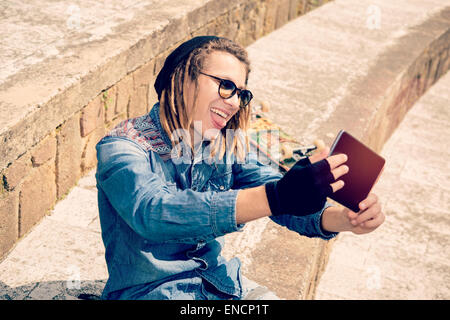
227,89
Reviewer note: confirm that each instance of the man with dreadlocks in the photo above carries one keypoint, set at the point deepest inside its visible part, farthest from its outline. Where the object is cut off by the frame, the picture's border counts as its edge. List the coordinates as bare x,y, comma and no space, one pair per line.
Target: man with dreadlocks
165,203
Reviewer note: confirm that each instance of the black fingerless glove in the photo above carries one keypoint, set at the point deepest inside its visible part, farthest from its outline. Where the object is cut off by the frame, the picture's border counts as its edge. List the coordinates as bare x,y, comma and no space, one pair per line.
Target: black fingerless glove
302,190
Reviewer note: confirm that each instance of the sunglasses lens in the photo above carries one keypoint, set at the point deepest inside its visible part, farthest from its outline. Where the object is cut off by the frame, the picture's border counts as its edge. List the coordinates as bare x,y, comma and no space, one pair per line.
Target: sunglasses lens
227,89
246,96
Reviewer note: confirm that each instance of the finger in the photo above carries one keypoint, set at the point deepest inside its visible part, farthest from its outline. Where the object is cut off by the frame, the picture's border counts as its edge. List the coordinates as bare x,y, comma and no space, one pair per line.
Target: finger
352,215
371,213
337,185
337,160
367,202
375,222
339,171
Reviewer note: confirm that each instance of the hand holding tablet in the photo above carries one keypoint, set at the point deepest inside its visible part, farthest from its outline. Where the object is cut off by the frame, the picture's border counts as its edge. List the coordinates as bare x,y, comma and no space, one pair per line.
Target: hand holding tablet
365,167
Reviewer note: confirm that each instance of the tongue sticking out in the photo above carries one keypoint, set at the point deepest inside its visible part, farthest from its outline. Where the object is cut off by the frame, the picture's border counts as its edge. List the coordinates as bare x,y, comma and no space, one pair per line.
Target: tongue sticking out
218,121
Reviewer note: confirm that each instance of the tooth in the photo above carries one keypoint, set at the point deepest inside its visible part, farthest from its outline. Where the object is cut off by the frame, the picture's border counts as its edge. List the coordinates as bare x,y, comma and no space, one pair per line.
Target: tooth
220,113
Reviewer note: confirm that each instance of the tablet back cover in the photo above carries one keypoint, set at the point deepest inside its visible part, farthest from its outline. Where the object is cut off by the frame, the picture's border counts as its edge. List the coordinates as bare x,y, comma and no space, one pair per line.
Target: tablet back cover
365,167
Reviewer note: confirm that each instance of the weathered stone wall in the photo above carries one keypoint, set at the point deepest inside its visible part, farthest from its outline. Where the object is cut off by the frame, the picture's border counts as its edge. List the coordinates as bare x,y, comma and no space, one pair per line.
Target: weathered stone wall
40,163
46,151
423,71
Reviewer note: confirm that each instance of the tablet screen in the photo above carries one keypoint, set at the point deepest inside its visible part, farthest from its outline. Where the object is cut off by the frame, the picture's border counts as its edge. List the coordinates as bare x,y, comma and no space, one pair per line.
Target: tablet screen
365,166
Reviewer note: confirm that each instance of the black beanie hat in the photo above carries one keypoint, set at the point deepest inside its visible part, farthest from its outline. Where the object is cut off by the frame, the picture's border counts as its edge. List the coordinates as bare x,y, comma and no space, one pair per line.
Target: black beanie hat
177,56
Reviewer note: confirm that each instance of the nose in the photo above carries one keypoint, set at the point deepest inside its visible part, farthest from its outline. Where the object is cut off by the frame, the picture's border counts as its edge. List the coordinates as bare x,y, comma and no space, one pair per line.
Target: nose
234,101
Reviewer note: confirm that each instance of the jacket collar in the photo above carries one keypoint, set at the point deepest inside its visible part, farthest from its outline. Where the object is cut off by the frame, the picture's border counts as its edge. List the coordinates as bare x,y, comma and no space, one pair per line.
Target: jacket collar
154,115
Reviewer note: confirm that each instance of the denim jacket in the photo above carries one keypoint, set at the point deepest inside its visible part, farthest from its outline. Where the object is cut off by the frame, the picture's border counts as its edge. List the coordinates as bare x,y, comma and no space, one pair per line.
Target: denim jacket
163,221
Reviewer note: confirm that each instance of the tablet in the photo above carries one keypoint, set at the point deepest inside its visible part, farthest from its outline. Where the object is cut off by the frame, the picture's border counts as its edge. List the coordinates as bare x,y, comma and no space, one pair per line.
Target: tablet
365,167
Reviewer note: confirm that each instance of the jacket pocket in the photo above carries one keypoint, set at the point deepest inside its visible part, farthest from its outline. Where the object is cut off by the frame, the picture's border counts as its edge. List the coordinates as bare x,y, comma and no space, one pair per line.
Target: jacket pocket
220,182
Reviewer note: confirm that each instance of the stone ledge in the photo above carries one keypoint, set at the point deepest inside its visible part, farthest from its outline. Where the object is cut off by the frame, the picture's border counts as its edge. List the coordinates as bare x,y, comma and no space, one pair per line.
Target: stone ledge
85,67
92,60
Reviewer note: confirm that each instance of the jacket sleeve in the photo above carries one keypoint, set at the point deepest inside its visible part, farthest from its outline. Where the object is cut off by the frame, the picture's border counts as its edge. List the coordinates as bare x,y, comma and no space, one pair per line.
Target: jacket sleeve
156,212
309,225
253,173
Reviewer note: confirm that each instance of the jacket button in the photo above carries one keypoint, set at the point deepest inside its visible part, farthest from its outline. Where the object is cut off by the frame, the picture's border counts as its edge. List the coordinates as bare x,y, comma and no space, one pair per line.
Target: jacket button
222,188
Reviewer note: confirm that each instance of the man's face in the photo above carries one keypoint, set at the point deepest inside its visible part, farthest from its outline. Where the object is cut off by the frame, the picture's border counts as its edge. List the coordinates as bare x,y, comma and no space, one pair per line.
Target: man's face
212,111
